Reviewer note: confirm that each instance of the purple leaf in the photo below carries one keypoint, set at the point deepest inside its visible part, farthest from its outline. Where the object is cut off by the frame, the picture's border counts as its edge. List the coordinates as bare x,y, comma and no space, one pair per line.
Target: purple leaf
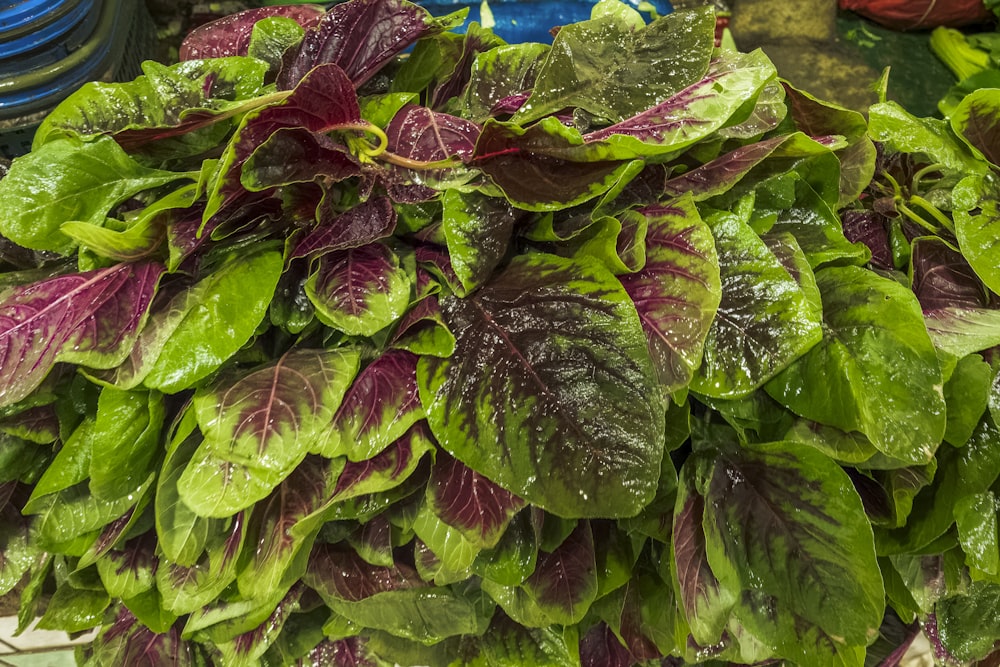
977,121
437,261
323,100
868,227
464,499
359,291
421,134
281,528
361,36
942,278
381,405
417,133
509,105
564,583
340,573
678,291
367,222
230,35
601,648
88,318
386,470
260,427
127,642
297,155
702,599
350,652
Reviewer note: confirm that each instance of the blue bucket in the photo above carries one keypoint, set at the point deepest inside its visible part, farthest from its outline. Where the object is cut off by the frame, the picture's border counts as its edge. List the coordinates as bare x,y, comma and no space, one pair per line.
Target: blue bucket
49,48
529,20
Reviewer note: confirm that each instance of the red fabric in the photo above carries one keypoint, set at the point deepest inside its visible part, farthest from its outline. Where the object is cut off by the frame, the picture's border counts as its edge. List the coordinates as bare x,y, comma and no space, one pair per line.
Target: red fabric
914,14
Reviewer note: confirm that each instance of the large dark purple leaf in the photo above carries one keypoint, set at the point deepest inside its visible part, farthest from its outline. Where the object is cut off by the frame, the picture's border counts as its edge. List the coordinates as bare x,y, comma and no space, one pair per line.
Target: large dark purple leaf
387,470
362,36
942,278
258,428
550,392
420,134
323,100
367,222
359,291
469,502
564,583
297,155
381,405
547,166
230,35
89,318
678,291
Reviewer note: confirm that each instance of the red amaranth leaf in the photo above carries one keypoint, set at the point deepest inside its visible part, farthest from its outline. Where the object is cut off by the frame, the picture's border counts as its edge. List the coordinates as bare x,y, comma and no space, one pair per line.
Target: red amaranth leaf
230,35
88,318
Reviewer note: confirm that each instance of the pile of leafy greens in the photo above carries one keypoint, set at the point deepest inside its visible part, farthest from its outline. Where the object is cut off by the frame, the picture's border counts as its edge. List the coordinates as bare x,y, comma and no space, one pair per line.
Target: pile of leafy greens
349,340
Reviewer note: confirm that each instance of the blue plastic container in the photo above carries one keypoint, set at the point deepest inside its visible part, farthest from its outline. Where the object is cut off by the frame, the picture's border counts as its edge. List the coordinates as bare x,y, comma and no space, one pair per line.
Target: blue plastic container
529,20
49,48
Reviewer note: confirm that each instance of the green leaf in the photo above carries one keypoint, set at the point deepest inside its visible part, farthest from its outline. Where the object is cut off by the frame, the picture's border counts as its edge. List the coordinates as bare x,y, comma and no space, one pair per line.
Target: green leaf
817,228
187,589
568,418
962,471
696,113
900,131
272,37
966,393
787,536
70,180
678,290
178,99
181,533
702,599
962,331
258,428
875,371
976,518
613,71
764,321
455,551
360,290
976,120
508,643
478,230
202,326
498,73
74,610
969,625
126,436
977,225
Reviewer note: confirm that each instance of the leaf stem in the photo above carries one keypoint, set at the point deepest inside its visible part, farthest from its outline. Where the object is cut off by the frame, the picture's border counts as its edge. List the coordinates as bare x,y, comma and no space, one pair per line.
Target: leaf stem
934,212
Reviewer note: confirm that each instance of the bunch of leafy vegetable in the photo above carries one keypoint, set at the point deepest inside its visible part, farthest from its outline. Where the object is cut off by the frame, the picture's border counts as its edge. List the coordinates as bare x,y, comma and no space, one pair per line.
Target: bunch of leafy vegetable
490,354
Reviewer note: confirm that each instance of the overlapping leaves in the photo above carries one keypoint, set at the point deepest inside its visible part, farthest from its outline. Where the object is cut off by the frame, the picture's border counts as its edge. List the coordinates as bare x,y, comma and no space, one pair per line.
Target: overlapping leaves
494,354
